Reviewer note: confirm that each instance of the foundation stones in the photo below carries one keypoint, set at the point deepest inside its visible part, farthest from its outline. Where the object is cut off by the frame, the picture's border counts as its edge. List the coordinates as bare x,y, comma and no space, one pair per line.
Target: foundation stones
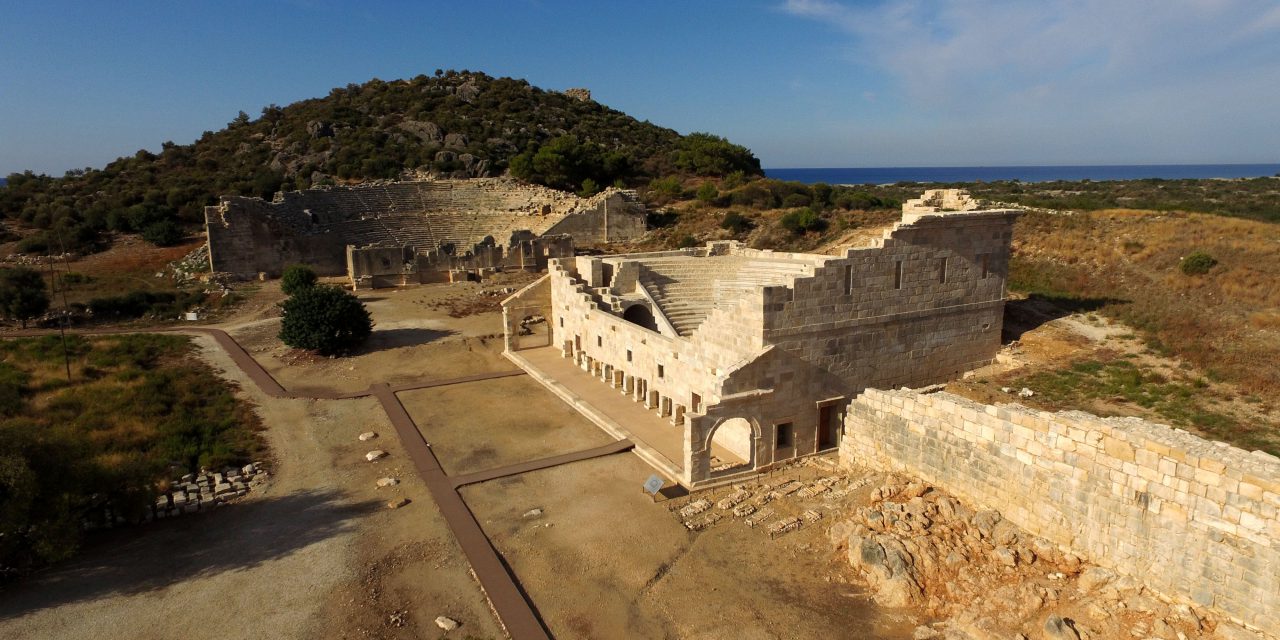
192,492
695,507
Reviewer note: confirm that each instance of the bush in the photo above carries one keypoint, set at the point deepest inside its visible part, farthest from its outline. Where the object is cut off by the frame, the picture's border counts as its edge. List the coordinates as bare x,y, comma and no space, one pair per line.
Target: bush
22,294
708,192
802,221
297,277
164,233
1197,263
796,200
324,319
736,222
687,242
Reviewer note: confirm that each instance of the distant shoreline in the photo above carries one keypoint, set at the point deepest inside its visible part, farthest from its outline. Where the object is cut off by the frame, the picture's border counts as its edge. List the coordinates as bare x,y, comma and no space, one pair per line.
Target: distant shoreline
1047,173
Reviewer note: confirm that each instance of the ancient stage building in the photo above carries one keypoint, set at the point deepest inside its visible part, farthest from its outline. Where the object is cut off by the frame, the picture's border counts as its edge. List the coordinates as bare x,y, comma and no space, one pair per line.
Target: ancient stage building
722,360
401,232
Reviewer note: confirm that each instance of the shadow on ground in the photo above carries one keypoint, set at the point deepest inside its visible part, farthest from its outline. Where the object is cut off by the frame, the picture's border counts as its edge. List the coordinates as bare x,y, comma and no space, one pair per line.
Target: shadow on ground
145,558
1027,314
382,339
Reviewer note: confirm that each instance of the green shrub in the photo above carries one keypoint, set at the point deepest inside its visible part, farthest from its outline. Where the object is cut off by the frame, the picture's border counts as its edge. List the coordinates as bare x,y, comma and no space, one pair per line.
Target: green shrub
802,221
708,192
687,242
736,222
71,279
297,277
164,233
324,319
796,200
23,295
1197,263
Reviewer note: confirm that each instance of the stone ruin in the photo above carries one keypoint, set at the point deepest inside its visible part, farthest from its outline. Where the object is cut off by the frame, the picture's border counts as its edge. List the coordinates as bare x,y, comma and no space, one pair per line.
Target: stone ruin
754,355
418,231
939,201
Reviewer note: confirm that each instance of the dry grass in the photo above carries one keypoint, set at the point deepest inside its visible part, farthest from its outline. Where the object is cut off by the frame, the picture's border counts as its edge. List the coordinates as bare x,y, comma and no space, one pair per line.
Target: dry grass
1222,322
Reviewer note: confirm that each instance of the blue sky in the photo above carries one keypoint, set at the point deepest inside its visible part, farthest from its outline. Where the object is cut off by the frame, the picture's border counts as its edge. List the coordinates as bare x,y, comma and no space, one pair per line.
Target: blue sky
801,82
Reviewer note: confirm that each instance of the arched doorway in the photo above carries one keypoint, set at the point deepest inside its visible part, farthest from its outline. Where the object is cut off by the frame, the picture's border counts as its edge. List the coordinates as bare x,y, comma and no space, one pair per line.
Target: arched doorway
641,315
732,445
533,331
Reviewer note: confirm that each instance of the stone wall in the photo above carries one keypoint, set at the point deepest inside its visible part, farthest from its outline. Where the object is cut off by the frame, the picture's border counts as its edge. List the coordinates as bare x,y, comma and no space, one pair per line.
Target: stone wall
611,217
922,307
1193,519
245,241
248,236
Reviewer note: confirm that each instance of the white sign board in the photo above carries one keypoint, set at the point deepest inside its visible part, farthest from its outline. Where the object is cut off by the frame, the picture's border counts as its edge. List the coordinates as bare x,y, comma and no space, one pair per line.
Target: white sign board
653,485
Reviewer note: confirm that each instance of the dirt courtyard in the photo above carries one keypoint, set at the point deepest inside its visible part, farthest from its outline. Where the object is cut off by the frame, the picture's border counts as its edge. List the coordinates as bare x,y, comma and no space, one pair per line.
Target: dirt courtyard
317,553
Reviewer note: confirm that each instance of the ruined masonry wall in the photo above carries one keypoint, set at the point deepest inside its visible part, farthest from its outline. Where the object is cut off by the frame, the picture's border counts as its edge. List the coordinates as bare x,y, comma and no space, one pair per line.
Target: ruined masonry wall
1193,519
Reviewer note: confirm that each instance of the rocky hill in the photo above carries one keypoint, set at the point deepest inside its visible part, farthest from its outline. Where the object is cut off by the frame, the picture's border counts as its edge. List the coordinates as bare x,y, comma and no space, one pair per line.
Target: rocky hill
451,124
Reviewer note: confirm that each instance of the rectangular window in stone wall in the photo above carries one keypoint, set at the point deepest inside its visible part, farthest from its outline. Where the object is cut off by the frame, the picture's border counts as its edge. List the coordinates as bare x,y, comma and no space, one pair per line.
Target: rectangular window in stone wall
628,355
661,371
848,280
942,270
599,341
784,435
985,260
897,274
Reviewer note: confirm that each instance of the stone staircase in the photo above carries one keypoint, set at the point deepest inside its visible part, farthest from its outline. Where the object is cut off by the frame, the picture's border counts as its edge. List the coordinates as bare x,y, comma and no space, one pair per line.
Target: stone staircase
688,289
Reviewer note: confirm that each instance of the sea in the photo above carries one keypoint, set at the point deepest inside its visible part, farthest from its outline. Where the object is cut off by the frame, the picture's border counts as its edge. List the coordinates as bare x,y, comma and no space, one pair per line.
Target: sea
891,175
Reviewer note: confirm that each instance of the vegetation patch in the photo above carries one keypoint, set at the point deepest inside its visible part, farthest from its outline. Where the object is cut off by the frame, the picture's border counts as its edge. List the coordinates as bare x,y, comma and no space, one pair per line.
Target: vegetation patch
1099,383
137,410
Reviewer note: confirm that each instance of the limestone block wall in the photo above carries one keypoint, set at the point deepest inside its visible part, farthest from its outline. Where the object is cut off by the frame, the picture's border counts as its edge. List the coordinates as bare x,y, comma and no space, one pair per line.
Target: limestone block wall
612,218
1194,519
923,307
244,241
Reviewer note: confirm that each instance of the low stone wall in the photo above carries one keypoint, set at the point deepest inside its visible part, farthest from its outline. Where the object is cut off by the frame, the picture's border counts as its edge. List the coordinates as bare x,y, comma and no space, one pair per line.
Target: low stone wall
1193,519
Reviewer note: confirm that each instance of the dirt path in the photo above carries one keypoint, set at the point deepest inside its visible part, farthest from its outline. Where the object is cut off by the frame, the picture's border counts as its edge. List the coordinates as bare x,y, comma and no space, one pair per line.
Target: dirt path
317,553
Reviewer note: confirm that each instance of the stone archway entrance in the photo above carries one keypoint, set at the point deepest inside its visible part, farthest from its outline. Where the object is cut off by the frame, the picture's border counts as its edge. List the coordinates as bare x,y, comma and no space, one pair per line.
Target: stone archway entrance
732,446
534,330
641,315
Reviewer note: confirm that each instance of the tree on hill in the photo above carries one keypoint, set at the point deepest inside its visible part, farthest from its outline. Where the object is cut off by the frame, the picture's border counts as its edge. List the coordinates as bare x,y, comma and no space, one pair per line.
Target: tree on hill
710,155
23,295
297,277
324,319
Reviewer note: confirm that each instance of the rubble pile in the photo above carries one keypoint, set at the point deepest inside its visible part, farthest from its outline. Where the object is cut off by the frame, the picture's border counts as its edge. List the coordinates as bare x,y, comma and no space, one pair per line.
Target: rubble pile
917,547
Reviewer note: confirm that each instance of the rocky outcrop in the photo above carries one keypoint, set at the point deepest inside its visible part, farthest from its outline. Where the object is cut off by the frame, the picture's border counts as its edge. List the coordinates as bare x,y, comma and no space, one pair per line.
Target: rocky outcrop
918,547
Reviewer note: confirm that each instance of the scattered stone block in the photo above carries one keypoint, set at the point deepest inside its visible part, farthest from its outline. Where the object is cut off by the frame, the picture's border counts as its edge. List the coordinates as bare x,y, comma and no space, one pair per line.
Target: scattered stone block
367,436
446,623
375,455
387,482
397,502
695,507
533,513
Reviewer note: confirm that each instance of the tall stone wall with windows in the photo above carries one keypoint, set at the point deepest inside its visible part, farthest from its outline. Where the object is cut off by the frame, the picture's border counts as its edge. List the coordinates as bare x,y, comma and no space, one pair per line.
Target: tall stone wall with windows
1194,519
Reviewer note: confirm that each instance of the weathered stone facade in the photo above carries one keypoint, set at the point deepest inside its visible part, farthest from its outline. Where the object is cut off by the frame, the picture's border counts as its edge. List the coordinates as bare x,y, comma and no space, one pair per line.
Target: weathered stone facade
758,352
1190,518
452,224
375,266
